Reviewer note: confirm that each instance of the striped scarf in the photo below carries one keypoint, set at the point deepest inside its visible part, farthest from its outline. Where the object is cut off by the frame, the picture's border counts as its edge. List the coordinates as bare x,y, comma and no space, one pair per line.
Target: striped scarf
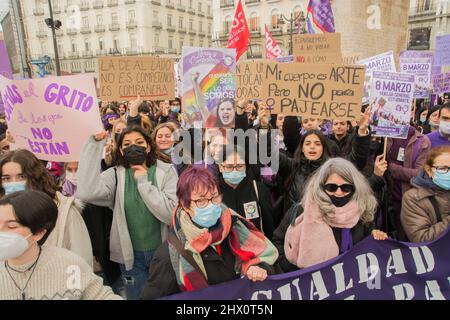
247,243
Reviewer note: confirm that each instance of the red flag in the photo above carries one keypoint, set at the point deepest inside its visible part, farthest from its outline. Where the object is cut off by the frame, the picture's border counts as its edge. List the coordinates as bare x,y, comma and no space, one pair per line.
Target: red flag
240,34
273,50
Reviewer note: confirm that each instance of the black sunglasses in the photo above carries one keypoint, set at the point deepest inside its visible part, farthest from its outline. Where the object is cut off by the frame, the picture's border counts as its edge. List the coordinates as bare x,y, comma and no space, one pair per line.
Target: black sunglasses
332,187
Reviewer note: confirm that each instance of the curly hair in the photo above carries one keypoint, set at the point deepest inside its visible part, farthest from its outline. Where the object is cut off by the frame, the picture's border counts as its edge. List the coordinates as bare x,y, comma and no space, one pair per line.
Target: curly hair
38,178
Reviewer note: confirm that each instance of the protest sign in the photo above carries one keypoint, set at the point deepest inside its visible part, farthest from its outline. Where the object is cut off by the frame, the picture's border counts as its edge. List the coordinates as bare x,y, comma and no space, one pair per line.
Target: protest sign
5,66
318,48
124,78
442,55
209,87
249,79
391,99
371,270
286,59
315,91
52,117
352,58
441,83
418,63
381,62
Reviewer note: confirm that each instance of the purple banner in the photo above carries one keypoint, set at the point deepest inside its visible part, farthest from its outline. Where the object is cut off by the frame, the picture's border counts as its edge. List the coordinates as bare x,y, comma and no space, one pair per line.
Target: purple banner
322,14
372,270
418,63
442,55
5,68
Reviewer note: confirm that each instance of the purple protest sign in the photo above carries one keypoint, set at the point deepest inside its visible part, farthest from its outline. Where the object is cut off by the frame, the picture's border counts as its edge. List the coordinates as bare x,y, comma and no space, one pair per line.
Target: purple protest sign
442,55
418,63
391,99
371,270
322,14
208,80
441,83
5,67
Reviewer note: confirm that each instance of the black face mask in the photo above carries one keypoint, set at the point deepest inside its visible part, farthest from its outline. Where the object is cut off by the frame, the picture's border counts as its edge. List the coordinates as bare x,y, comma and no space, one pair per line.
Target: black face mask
116,136
341,201
135,155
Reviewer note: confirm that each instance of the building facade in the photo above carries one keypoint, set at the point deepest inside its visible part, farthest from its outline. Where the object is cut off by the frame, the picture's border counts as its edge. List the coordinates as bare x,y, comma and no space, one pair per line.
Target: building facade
427,19
115,27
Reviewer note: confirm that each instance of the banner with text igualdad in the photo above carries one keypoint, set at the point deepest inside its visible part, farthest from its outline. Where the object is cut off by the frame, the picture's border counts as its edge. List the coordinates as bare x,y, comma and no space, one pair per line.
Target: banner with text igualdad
371,270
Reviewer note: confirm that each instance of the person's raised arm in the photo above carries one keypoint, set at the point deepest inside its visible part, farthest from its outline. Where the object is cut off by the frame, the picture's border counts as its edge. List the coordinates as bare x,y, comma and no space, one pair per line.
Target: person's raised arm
199,96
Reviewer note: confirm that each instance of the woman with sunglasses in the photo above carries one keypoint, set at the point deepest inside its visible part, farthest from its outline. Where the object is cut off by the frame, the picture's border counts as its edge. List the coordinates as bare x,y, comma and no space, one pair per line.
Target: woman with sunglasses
336,212
425,211
208,244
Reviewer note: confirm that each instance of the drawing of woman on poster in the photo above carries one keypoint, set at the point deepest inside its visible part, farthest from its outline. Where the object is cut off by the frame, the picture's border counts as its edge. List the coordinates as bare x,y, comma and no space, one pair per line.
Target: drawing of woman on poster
220,117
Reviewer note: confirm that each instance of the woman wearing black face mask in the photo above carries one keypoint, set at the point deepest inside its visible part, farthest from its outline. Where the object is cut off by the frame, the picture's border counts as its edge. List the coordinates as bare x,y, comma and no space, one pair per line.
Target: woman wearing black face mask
142,190
335,213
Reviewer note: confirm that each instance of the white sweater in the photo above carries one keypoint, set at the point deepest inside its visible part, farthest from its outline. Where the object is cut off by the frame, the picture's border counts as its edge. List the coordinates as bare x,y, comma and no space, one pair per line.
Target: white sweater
59,275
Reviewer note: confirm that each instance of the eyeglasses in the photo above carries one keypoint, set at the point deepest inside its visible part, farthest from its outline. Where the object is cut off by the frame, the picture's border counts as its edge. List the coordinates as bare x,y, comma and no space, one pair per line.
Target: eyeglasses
441,169
332,187
203,202
230,167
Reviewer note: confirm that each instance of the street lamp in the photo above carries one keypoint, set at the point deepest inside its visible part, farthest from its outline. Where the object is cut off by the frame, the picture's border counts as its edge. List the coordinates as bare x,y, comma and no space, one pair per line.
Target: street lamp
283,19
54,25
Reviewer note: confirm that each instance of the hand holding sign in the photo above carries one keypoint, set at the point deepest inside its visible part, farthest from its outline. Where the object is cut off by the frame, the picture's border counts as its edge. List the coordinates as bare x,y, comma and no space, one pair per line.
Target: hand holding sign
364,123
255,273
380,166
379,235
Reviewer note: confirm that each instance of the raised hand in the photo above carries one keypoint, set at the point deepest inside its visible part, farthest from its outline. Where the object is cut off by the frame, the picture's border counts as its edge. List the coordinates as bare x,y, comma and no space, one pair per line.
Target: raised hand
364,123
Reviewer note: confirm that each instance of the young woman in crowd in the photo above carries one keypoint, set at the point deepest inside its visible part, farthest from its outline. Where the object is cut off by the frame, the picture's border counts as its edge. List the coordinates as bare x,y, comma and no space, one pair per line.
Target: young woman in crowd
21,170
163,135
142,191
336,212
69,186
209,243
425,211
31,271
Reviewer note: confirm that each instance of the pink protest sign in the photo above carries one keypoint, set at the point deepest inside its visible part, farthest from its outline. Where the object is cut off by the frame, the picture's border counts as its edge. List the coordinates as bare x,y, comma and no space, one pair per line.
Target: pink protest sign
51,117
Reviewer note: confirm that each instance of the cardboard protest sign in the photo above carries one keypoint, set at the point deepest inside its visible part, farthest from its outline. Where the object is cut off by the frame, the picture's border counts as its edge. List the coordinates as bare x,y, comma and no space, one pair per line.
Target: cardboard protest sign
351,58
124,78
315,91
209,87
318,48
52,117
249,79
441,83
442,55
5,66
391,100
418,63
381,62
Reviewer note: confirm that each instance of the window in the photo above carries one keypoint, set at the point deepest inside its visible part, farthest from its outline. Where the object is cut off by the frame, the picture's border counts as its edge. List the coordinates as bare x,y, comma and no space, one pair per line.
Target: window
87,46
419,39
199,6
114,18
116,43
191,24
169,20
85,22
170,43
275,17
209,28
209,9
101,44
181,22
131,15
200,44
99,20
227,24
156,39
73,46
192,42
60,48
181,44
200,26
190,4
133,41
254,22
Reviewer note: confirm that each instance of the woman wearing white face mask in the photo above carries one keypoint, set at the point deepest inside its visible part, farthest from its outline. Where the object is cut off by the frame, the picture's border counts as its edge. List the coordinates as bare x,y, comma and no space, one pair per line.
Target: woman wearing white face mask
26,265
69,186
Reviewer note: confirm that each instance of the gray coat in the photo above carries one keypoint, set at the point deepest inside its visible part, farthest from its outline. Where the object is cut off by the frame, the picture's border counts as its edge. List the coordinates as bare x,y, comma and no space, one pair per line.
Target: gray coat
100,189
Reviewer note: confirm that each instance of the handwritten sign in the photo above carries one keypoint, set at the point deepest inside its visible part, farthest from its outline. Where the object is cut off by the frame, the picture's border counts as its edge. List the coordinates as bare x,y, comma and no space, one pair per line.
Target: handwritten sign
124,78
51,117
249,79
316,91
442,57
418,63
318,48
352,58
209,87
391,100
381,62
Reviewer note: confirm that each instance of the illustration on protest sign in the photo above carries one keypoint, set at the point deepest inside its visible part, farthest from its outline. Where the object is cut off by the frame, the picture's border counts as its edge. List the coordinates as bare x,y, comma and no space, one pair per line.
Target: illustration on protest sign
209,88
418,63
51,117
391,99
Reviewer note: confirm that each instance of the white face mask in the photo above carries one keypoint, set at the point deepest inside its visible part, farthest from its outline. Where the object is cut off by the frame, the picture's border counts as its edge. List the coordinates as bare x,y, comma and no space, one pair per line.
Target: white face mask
71,177
12,245
444,127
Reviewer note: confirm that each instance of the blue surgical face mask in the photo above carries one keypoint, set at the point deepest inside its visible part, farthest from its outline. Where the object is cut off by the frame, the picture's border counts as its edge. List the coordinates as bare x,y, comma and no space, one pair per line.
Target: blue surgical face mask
207,217
234,177
444,127
175,109
11,187
442,180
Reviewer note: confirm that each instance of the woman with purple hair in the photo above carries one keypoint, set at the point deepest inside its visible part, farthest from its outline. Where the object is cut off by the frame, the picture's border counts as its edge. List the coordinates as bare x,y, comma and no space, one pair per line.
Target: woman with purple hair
208,243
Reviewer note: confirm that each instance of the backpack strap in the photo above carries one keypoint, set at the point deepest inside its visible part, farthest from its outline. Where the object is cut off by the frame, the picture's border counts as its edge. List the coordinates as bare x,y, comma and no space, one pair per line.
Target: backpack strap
436,208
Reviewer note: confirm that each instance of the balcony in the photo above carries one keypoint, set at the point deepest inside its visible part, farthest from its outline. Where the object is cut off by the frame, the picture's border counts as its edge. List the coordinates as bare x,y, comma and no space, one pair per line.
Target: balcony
113,3
56,10
276,31
156,2
101,53
72,55
226,4
181,30
192,32
181,7
41,34
87,54
38,11
170,4
114,27
201,13
191,10
85,30
71,32
250,2
84,6
98,5
76,69
90,67
170,28
131,51
224,35
99,28
255,31
157,24
171,51
130,1
158,49
131,24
